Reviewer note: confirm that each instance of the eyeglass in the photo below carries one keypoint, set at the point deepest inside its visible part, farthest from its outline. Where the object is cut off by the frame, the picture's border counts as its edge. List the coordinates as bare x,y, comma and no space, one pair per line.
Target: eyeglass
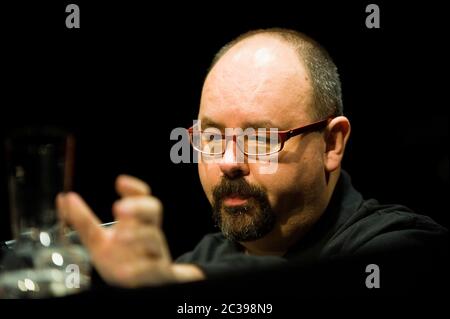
261,142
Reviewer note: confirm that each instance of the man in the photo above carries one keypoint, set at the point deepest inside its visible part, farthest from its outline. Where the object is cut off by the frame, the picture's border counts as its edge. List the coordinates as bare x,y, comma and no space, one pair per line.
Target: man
305,210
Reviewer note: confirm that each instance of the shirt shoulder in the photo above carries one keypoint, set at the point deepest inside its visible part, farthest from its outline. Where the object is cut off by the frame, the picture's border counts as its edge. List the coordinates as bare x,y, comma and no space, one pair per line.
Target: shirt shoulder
376,228
210,248
216,256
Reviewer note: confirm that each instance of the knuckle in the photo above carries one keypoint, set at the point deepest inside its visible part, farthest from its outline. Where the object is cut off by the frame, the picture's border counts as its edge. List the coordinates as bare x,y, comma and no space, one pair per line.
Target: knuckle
156,205
151,208
150,234
116,207
126,236
146,188
124,206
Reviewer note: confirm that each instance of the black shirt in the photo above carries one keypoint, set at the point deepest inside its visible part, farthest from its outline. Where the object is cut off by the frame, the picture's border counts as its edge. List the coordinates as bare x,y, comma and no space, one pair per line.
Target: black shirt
350,227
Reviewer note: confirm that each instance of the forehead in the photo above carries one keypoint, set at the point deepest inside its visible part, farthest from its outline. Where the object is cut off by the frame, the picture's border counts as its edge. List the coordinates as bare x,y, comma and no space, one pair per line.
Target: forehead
258,80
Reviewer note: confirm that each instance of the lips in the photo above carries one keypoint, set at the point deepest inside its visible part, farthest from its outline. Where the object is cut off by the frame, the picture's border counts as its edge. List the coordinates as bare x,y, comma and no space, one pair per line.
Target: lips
235,200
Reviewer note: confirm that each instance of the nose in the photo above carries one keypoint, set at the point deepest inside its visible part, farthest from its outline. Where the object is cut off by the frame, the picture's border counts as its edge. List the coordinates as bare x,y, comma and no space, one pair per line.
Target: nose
233,163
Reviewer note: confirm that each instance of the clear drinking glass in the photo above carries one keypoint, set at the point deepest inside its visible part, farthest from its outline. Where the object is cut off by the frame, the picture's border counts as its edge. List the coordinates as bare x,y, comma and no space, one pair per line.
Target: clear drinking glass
42,262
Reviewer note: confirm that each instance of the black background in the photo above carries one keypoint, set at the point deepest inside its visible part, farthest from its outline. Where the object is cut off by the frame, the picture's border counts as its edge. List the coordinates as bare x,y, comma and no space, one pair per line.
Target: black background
134,71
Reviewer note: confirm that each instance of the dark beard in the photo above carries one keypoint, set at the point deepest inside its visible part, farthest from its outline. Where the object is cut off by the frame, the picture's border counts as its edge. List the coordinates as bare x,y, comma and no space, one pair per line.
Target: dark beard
244,222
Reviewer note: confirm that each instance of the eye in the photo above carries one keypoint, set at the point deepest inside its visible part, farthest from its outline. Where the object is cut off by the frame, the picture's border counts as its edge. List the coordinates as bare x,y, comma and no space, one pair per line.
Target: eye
211,134
259,139
213,137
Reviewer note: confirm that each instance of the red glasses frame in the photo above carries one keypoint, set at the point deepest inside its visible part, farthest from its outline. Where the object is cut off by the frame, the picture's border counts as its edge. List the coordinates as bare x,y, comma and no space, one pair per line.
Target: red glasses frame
283,135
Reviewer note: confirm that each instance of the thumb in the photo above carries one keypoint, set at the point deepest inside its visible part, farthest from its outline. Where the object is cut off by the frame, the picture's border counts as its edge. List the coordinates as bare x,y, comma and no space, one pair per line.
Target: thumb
75,212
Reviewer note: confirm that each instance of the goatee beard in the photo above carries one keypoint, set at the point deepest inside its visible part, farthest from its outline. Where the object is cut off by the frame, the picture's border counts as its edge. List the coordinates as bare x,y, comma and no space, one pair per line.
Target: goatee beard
250,221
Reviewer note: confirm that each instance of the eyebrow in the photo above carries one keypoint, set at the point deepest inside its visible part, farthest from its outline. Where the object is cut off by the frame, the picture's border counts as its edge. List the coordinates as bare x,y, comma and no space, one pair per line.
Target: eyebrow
207,122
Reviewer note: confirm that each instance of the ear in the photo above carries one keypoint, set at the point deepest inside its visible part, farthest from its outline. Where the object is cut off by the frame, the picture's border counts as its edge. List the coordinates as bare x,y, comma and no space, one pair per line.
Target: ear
336,136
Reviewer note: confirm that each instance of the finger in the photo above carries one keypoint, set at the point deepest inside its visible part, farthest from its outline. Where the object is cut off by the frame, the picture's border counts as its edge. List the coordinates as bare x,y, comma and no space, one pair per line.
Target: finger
145,241
187,272
147,209
131,186
78,215
163,247
60,206
149,239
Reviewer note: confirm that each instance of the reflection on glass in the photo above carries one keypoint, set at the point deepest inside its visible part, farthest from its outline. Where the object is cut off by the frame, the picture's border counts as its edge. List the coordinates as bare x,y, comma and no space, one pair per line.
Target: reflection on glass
44,237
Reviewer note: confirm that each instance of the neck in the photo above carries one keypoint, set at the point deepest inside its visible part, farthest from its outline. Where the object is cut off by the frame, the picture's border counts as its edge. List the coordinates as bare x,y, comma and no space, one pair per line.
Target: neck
292,229
278,241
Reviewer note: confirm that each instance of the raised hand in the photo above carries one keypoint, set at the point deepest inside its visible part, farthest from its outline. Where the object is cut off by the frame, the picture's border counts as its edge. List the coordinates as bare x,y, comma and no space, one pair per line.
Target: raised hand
134,252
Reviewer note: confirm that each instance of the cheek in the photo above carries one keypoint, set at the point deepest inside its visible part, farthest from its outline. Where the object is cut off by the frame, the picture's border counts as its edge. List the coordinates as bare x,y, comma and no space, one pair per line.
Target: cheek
293,183
209,177
278,184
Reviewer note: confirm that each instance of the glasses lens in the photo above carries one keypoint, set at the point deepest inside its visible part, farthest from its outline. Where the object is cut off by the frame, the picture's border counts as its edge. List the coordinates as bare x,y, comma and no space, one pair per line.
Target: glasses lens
209,141
262,143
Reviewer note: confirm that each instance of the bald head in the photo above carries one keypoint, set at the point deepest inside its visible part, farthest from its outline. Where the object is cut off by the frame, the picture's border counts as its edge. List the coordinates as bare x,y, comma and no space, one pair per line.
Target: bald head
257,71
286,53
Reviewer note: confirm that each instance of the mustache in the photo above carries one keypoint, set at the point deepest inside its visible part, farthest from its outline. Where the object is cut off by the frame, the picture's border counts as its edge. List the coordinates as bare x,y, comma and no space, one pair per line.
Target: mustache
245,222
240,187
